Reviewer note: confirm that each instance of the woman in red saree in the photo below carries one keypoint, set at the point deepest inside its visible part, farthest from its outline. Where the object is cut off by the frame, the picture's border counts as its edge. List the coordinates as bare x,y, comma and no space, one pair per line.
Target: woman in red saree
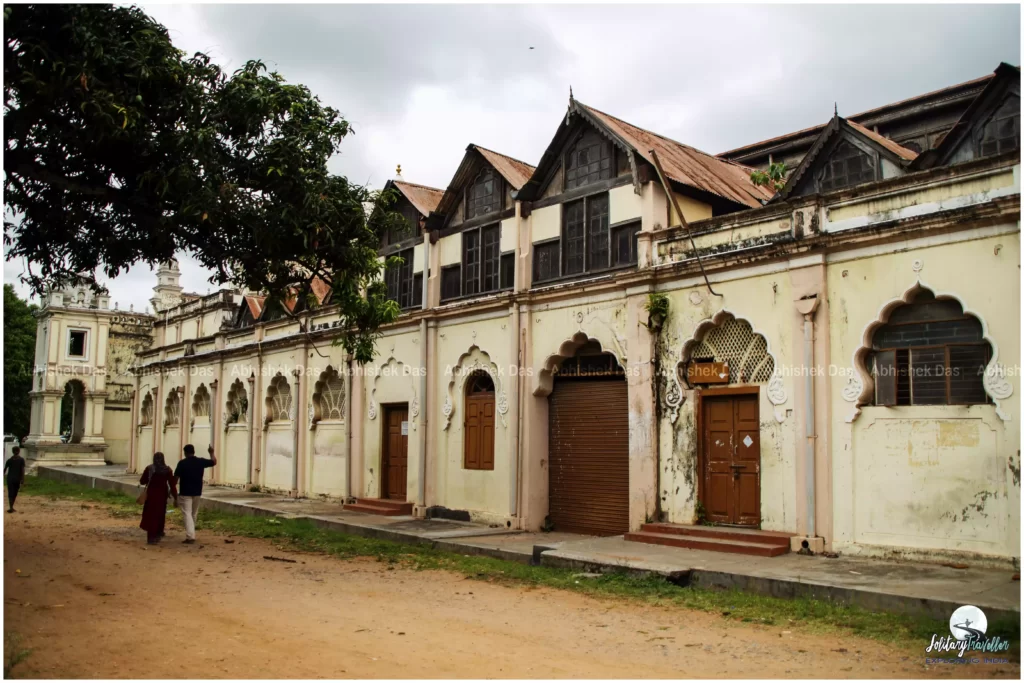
159,482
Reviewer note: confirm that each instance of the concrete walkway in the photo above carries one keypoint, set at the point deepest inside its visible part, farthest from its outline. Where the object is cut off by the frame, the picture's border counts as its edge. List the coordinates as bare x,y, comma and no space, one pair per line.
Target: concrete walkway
916,588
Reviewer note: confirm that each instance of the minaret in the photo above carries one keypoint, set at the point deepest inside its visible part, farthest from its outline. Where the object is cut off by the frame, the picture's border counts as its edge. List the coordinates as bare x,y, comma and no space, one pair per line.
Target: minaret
167,293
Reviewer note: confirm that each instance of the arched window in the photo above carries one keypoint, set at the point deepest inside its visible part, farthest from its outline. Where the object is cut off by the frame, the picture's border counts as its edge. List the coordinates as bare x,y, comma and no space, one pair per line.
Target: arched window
201,402
329,396
279,400
172,409
483,195
479,431
847,165
929,352
1002,132
237,403
588,161
147,410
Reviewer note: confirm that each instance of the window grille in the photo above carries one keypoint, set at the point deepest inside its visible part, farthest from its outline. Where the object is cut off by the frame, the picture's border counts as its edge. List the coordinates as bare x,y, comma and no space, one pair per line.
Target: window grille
736,343
279,400
201,402
237,403
172,409
330,396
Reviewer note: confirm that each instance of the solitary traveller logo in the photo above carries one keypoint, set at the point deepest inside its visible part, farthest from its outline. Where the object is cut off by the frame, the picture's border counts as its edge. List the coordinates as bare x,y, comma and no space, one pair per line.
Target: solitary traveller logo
968,627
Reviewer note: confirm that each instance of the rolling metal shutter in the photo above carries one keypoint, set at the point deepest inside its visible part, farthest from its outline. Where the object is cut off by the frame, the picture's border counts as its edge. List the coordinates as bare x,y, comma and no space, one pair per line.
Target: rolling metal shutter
588,449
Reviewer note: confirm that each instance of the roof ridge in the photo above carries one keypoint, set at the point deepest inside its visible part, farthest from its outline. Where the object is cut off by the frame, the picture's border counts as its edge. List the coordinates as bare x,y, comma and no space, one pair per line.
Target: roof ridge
488,149
663,137
425,187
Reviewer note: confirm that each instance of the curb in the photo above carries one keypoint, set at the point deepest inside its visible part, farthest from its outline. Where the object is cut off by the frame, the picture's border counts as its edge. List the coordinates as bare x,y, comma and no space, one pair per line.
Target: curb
548,556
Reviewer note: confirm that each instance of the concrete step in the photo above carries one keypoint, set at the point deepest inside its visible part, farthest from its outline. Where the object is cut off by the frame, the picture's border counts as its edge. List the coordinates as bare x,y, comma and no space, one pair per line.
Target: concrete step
722,545
380,506
724,532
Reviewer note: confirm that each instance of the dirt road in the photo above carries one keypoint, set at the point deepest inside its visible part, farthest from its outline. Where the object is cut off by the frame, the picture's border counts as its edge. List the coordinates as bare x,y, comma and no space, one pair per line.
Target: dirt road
92,600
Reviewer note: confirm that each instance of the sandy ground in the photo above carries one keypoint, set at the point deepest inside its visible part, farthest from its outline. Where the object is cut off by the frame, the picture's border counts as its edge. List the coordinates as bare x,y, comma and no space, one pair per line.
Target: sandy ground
92,600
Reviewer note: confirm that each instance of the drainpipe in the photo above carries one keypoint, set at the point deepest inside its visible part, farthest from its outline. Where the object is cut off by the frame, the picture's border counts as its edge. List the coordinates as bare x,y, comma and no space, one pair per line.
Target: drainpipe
807,307
421,493
348,430
133,458
513,418
297,405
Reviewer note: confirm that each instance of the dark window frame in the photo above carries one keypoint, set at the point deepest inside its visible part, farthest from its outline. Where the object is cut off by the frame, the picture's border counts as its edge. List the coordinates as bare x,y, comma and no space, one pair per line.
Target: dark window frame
910,354
830,181
488,272
405,286
984,138
497,194
611,232
83,336
606,152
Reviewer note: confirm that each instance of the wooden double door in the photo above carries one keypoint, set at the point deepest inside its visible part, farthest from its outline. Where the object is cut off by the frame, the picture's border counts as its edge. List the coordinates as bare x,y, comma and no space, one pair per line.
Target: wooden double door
731,459
395,453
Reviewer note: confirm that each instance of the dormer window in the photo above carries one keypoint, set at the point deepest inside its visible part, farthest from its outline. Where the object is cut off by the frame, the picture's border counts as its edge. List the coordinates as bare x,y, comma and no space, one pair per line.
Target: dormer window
588,161
1002,132
848,165
483,196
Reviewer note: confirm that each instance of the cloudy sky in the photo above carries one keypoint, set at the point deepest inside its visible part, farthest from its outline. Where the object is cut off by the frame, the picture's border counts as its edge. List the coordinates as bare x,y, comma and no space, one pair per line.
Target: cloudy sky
420,82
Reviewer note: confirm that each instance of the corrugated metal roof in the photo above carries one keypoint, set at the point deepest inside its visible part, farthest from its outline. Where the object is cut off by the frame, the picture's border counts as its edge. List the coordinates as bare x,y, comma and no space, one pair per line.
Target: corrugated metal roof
891,145
424,198
514,171
255,304
814,130
685,164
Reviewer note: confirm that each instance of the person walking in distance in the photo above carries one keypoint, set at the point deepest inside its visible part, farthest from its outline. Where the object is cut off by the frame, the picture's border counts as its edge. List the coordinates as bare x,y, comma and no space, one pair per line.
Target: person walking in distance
189,476
14,468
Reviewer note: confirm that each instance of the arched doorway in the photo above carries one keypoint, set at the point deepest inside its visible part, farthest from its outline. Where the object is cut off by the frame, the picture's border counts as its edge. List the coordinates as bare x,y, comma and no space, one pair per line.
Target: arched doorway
479,426
588,444
72,412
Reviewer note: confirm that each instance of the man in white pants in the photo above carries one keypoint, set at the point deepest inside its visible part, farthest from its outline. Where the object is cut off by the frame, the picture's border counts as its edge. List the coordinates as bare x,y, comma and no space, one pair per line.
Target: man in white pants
189,477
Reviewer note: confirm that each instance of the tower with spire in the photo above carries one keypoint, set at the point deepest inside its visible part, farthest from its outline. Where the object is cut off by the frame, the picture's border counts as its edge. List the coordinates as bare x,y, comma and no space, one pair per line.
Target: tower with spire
167,292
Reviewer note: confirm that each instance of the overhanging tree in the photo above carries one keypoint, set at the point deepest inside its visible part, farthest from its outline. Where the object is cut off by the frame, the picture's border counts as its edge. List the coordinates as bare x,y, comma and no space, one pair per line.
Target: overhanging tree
19,357
121,150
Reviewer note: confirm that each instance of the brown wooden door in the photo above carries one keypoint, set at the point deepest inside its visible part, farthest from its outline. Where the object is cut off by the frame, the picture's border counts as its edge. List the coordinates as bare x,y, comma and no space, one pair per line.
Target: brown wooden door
395,456
731,453
588,448
480,431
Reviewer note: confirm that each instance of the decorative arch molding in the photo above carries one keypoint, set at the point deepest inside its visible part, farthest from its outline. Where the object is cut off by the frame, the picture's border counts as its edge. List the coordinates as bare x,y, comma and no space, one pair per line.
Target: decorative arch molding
567,349
237,405
328,398
172,407
861,386
472,361
399,369
280,403
200,405
675,392
147,410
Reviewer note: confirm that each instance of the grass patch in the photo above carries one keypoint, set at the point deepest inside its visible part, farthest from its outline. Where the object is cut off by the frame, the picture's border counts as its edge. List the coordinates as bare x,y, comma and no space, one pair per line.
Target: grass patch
803,613
14,653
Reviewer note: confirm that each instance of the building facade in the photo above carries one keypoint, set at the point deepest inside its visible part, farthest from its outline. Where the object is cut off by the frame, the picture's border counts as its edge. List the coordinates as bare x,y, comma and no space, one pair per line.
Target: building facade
633,330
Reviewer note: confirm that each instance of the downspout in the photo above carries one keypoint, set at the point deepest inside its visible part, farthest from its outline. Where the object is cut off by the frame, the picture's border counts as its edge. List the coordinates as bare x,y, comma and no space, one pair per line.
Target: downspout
133,457
513,492
807,307
348,430
297,401
421,493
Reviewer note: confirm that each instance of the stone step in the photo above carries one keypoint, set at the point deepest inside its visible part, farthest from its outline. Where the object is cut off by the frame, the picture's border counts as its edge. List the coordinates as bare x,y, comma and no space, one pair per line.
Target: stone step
380,506
741,547
724,532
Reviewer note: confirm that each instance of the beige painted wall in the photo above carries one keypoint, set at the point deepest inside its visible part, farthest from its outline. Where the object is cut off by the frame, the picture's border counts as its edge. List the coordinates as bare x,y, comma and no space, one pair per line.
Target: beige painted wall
484,345
916,479
765,302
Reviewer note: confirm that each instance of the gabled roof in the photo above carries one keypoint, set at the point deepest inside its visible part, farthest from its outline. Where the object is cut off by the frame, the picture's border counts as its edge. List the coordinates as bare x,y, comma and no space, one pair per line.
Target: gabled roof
682,164
423,198
515,172
886,110
898,154
1004,76
255,305
894,147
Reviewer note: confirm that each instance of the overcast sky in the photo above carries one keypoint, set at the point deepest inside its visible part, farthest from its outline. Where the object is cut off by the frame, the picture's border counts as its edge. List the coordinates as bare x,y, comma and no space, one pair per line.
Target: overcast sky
419,82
